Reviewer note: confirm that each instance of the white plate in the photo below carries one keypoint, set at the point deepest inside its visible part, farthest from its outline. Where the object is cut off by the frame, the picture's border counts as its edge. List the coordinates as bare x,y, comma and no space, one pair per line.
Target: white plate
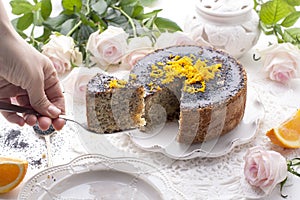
165,141
98,177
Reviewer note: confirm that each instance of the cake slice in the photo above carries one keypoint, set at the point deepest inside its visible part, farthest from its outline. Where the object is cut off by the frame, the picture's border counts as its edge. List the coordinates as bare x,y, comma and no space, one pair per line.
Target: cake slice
113,105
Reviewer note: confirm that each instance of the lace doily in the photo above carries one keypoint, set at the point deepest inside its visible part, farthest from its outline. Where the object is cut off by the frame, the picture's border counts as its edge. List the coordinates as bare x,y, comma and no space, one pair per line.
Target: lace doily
198,178
222,177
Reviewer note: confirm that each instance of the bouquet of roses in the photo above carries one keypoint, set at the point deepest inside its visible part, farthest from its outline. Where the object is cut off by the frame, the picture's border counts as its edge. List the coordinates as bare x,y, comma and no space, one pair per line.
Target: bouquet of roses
278,18
106,33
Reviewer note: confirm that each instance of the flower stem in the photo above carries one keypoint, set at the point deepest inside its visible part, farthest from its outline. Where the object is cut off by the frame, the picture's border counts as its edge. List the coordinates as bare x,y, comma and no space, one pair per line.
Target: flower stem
80,22
33,41
281,186
74,28
129,19
290,167
291,164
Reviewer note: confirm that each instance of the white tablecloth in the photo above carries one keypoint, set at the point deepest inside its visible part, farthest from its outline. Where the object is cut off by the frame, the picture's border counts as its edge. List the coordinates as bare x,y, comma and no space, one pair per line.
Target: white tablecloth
198,178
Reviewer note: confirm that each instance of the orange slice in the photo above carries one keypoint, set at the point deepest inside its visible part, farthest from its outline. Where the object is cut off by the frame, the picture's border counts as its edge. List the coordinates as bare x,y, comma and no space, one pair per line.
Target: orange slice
12,172
287,134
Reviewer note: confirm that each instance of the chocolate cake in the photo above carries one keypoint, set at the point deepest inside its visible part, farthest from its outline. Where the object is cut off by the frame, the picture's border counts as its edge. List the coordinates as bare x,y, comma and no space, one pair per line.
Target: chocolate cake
113,105
207,103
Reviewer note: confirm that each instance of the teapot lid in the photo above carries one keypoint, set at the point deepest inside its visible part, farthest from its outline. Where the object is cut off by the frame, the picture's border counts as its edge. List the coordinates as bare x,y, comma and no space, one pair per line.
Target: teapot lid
224,7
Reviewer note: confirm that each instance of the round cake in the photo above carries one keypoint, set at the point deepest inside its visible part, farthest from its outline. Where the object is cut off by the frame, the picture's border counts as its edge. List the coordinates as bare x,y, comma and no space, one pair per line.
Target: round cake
201,87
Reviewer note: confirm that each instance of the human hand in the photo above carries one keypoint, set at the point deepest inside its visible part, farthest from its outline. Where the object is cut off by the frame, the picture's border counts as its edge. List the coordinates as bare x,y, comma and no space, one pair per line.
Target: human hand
30,77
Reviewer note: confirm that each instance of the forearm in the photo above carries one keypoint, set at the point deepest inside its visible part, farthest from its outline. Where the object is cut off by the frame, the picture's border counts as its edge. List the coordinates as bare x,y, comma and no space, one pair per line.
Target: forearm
5,25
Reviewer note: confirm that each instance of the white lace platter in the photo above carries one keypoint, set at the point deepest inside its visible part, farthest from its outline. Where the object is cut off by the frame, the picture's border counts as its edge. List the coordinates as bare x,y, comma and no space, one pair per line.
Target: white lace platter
95,176
165,141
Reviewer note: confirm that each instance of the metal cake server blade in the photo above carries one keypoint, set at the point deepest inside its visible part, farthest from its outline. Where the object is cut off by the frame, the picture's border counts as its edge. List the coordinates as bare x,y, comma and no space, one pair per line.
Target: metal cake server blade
8,107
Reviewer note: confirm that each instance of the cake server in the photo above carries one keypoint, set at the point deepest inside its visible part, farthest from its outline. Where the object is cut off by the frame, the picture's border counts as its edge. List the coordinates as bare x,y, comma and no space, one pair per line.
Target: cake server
4,106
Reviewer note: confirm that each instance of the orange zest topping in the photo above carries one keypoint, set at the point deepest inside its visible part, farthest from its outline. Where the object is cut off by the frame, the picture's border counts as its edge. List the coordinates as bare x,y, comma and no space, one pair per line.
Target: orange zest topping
117,83
194,72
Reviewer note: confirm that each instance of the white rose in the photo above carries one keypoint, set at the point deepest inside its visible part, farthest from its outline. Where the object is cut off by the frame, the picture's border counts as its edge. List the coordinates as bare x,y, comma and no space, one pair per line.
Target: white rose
62,52
138,47
107,47
75,83
264,169
171,39
281,62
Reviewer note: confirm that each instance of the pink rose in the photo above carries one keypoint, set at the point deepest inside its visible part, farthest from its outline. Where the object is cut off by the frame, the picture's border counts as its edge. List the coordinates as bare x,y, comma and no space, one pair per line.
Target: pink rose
171,39
75,83
281,62
264,169
108,47
137,48
62,52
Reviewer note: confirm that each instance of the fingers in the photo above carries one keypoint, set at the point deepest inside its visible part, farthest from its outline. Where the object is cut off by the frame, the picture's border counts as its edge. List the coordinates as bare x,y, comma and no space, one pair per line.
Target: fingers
53,88
14,118
58,123
11,116
40,103
30,119
45,93
37,86
44,122
51,102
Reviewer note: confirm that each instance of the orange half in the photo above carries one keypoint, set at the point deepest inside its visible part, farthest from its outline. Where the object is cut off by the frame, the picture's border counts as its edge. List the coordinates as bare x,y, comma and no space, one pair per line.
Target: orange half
12,172
287,134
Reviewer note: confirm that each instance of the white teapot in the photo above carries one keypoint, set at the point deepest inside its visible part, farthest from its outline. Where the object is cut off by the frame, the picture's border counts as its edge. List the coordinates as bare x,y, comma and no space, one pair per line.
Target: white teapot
225,24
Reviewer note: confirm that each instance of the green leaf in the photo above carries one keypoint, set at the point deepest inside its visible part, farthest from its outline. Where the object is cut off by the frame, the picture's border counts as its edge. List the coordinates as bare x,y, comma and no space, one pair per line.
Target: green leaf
148,3
128,3
25,21
67,26
112,14
21,7
99,7
278,29
128,10
84,33
46,8
138,11
149,22
291,19
273,11
151,14
293,2
37,19
14,22
164,24
292,35
98,20
72,5
86,21
45,36
55,23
